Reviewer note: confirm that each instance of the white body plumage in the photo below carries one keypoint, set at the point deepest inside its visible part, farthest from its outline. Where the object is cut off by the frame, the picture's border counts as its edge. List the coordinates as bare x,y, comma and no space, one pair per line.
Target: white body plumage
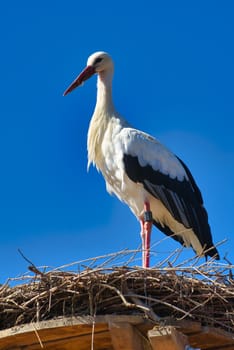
118,138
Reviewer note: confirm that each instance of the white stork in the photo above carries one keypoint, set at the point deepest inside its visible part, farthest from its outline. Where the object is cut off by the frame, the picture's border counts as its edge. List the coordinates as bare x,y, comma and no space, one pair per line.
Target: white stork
156,185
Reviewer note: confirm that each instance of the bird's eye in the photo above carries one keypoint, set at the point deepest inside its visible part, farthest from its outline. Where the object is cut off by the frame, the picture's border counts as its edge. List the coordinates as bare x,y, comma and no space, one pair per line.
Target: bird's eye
98,60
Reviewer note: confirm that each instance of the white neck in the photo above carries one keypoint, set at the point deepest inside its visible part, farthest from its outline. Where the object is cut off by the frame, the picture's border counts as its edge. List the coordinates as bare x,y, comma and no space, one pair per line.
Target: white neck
103,111
104,92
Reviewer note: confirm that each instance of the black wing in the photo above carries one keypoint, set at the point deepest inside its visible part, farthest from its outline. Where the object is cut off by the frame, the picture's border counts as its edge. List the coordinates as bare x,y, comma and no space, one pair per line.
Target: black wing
182,198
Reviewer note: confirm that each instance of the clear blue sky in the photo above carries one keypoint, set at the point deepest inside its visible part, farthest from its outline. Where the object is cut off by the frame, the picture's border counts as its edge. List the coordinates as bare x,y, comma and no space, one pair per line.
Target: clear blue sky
174,78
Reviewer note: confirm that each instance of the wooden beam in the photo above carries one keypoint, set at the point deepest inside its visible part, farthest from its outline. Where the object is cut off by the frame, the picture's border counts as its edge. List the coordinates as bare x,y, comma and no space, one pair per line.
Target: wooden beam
124,336
167,338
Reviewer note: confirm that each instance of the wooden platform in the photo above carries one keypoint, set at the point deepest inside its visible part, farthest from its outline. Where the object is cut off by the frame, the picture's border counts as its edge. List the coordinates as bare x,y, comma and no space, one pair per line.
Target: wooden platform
113,333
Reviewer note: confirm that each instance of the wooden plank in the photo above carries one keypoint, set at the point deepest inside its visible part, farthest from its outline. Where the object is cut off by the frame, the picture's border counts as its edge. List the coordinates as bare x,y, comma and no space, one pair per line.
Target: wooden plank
82,341
167,338
126,337
99,342
58,328
112,332
211,338
187,327
86,342
50,334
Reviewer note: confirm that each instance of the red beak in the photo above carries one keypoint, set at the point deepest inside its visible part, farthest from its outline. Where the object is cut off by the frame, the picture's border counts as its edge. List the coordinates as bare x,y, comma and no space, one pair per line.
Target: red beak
84,75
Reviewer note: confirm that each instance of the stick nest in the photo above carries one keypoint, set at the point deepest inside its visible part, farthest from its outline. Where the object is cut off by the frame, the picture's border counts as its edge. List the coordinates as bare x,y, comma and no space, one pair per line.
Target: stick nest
202,293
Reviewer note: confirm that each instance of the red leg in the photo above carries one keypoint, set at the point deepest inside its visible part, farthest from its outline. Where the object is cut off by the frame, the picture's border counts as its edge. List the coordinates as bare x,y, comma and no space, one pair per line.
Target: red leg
146,227
143,241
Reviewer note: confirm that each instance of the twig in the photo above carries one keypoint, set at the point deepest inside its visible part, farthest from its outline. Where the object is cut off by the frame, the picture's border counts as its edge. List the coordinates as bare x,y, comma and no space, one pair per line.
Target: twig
37,335
32,267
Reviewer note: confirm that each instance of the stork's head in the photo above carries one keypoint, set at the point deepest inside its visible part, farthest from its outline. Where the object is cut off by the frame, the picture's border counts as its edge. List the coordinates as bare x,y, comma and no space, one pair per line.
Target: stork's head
98,62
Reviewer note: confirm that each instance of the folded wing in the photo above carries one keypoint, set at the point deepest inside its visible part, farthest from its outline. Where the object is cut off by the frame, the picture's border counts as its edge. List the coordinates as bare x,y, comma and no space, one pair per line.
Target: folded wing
168,179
